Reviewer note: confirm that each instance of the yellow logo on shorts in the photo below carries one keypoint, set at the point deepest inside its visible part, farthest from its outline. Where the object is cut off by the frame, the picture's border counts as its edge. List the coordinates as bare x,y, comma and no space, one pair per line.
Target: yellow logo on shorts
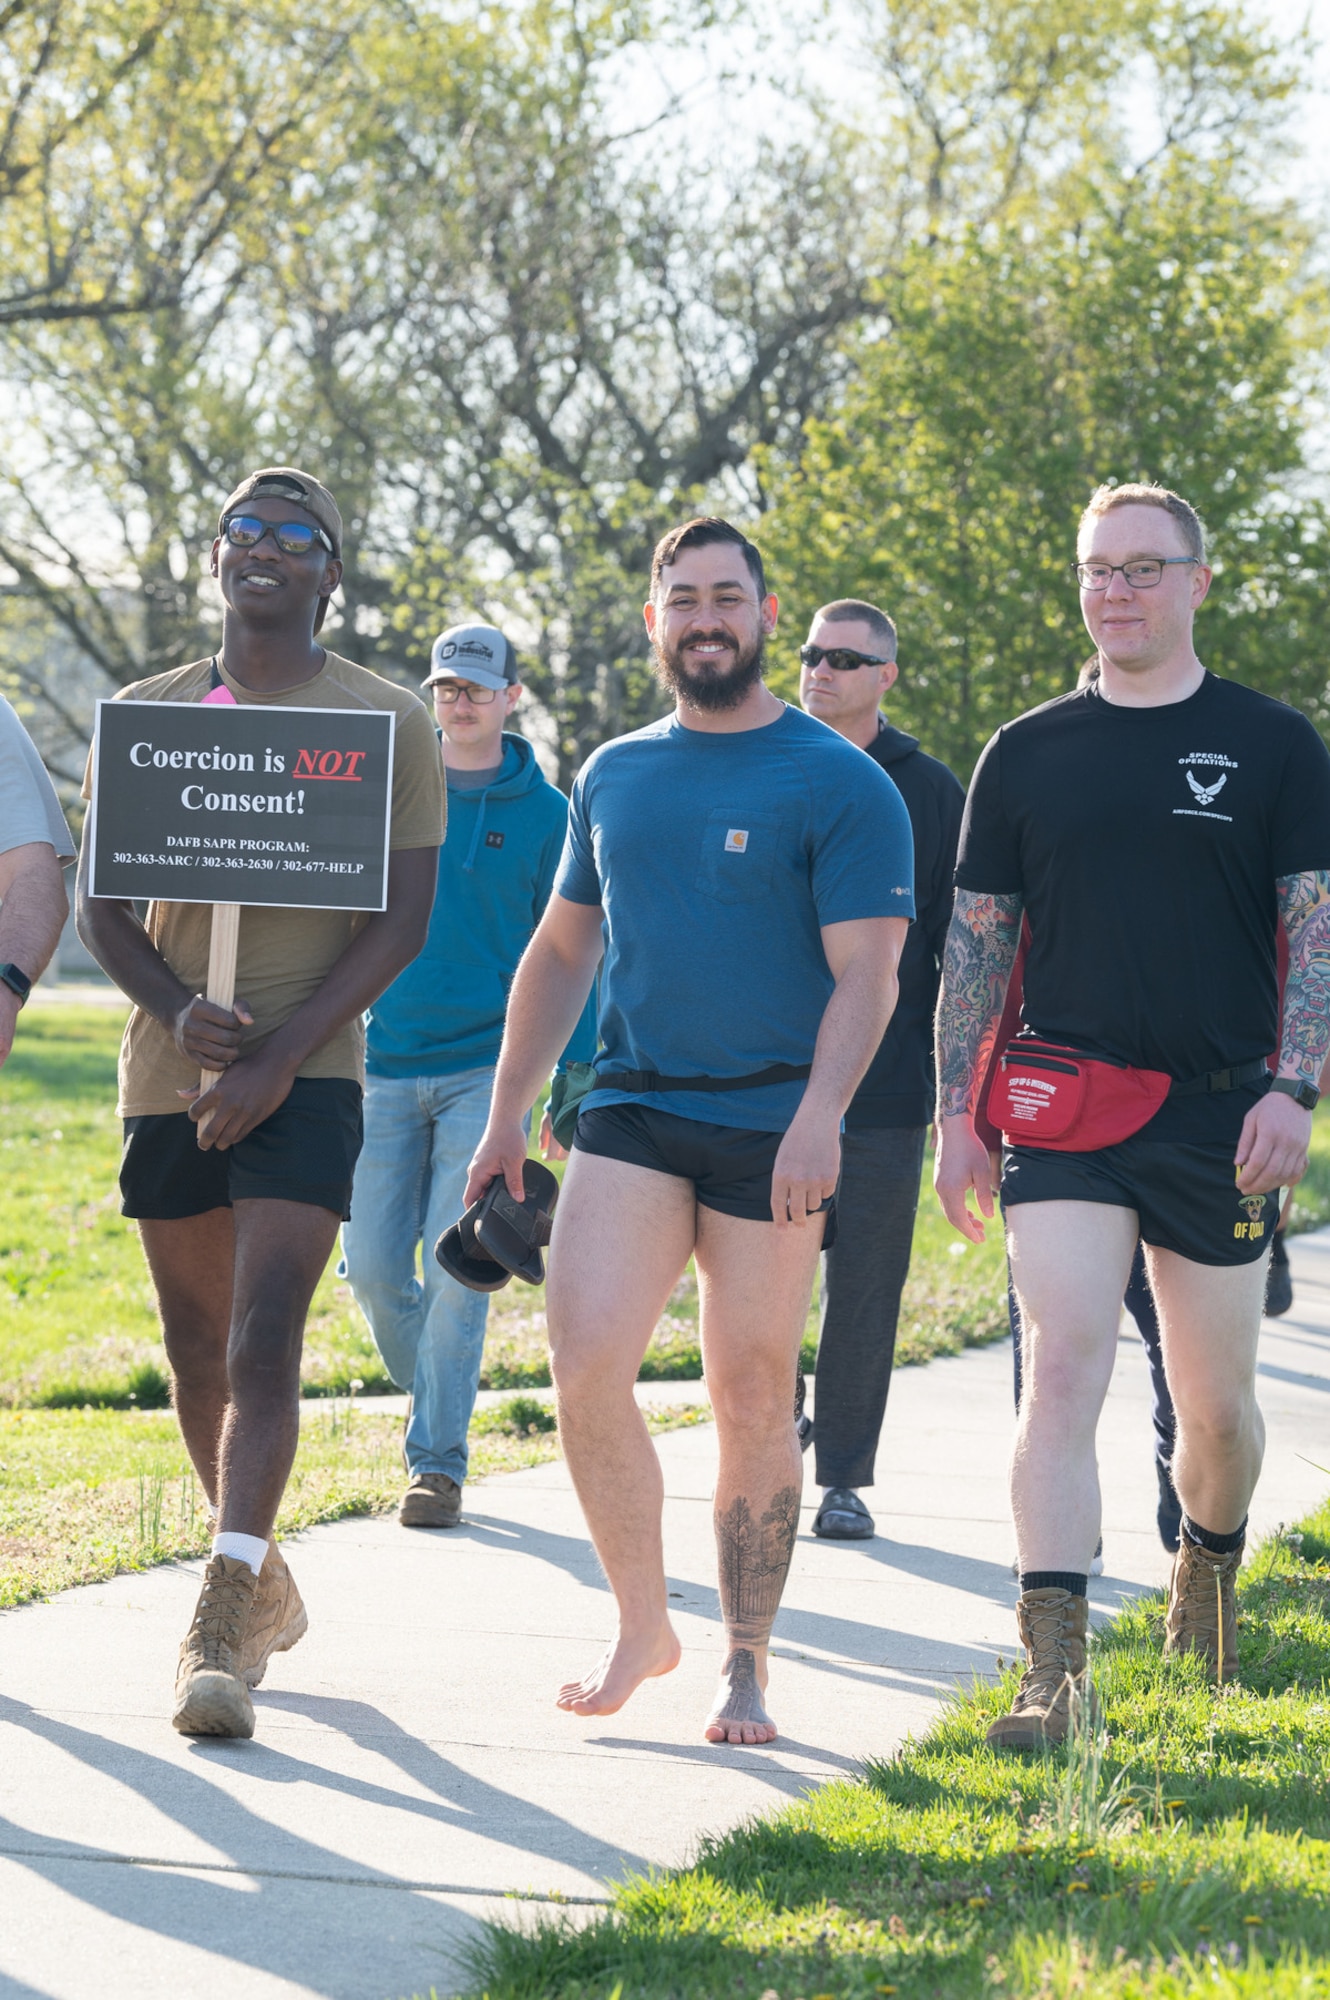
1254,1227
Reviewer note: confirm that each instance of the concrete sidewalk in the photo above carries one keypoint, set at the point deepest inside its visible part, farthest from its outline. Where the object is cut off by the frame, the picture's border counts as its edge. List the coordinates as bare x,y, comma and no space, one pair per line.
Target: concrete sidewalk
410,1771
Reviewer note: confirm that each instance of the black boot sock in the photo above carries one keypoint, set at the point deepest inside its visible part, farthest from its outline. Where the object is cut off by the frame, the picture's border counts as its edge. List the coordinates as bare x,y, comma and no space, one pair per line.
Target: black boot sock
1055,1579
1205,1538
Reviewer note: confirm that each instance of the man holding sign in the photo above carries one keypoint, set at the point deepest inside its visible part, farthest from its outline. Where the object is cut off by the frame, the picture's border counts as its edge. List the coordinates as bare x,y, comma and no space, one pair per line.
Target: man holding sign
239,1187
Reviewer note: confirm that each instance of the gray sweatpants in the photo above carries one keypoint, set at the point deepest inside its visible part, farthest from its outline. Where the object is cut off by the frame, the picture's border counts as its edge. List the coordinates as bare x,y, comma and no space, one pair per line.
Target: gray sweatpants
863,1276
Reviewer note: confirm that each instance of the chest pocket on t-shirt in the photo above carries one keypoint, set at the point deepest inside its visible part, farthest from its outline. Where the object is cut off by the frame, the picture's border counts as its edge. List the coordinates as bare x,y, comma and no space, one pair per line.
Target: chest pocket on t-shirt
738,854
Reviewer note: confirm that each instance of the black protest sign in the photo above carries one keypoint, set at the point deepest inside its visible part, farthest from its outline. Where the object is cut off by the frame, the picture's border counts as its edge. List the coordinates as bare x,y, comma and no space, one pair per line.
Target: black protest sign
195,802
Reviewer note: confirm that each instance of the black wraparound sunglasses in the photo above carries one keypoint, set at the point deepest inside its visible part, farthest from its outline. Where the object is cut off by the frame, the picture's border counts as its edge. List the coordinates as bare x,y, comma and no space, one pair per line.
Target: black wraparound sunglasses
839,658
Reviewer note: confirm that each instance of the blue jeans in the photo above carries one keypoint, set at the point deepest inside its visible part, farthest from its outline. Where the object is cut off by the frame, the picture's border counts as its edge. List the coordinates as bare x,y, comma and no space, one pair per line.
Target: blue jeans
420,1133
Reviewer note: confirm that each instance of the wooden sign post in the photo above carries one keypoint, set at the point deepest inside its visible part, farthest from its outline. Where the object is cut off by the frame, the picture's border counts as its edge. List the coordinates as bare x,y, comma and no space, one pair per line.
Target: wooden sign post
221,968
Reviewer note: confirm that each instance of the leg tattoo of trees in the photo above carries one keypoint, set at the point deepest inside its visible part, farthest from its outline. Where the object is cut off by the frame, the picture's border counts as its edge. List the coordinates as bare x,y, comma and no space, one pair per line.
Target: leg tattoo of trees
754,1560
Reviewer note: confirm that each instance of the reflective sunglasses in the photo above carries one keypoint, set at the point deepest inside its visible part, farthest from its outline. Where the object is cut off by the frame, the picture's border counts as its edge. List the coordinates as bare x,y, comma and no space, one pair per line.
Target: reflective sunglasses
839,658
293,538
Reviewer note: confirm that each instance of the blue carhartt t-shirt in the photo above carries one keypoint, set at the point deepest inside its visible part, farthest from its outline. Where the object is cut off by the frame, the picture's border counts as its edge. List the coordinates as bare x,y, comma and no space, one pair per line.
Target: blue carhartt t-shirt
717,859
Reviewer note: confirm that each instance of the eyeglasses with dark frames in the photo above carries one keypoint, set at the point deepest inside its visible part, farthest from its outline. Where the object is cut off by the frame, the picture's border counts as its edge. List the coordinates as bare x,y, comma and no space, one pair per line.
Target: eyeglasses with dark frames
293,538
450,691
840,659
1142,575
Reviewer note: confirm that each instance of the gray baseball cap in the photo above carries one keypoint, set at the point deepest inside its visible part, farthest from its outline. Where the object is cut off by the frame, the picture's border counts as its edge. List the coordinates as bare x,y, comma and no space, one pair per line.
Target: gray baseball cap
478,653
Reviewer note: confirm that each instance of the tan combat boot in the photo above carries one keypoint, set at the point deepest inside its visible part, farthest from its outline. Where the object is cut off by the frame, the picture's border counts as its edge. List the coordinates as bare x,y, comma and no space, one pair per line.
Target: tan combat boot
278,1619
1203,1607
210,1697
1052,1626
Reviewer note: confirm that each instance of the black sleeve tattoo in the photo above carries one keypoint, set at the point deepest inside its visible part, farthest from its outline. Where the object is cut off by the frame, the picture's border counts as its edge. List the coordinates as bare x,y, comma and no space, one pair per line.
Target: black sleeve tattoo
1304,911
754,1561
980,951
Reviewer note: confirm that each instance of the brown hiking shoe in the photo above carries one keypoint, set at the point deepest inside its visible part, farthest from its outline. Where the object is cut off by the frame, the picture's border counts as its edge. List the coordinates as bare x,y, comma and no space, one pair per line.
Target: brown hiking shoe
1052,1625
1203,1607
432,1500
278,1619
210,1697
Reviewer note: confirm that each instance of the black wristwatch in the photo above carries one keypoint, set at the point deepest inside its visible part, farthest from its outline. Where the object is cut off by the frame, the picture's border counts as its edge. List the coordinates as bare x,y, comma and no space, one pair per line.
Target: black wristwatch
17,982
1305,1094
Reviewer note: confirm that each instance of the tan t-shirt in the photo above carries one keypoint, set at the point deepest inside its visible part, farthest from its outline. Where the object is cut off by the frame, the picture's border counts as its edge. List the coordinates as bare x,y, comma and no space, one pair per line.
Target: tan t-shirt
284,955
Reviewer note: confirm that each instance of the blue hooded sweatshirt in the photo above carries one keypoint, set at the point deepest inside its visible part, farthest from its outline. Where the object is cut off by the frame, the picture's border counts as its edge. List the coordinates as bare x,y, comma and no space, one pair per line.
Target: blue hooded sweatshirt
496,869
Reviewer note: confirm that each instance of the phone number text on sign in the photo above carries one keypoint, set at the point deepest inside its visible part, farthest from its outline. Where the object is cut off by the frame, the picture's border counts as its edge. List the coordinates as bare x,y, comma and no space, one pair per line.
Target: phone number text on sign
158,834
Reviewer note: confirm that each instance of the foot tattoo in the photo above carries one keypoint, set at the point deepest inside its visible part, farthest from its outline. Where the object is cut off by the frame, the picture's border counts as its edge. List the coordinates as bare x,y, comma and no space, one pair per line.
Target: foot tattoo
738,1716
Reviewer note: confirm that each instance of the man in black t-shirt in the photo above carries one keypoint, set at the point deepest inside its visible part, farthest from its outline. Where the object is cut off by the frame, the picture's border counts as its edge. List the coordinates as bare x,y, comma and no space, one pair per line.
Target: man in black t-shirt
1156,826
848,665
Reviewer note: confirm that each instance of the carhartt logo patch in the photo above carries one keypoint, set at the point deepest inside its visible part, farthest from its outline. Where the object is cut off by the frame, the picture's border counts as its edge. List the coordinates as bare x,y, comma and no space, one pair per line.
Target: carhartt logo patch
736,840
494,840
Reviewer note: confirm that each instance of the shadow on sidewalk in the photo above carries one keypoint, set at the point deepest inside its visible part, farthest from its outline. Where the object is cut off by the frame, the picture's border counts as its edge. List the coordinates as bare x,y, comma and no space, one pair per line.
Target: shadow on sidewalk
205,1913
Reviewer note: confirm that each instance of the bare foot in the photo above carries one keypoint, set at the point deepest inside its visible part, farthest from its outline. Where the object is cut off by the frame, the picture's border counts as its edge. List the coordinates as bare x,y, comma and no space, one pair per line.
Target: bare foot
739,1716
620,1669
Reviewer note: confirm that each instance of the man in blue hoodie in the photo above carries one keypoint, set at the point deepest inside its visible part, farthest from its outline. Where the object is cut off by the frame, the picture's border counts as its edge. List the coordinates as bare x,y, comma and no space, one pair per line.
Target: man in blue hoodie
431,1047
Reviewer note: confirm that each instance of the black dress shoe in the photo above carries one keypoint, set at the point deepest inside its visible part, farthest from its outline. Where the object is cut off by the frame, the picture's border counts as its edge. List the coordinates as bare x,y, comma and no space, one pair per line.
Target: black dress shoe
1279,1280
843,1517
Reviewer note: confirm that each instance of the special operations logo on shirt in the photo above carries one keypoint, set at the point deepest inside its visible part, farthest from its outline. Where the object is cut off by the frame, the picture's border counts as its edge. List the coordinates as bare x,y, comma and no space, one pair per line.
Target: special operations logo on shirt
1206,772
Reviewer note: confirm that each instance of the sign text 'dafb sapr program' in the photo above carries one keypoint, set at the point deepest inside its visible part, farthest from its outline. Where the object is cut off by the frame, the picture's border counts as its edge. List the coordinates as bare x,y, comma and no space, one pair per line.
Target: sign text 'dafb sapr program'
196,803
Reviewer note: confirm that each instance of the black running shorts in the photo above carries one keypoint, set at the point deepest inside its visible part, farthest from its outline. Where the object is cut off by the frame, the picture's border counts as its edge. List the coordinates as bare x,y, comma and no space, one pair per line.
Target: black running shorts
730,1167
305,1151
1186,1196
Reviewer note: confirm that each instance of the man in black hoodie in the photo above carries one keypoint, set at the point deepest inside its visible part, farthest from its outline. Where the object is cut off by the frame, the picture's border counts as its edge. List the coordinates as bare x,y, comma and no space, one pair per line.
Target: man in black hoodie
848,664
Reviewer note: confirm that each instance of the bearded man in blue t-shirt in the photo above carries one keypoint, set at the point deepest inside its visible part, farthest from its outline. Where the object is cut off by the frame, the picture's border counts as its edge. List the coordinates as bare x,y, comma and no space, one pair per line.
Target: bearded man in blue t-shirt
750,877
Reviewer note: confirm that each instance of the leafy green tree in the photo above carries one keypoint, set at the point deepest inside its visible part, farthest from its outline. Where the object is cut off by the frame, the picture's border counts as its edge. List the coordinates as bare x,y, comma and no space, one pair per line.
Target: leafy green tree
1170,340
514,344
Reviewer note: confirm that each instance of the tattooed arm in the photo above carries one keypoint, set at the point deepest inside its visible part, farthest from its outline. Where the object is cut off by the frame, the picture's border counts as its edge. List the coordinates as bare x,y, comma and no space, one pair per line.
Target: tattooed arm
976,968
1272,1151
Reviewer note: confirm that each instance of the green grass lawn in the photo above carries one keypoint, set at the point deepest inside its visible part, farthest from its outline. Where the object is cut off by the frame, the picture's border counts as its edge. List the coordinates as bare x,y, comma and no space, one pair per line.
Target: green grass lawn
77,1325
1181,1850
85,1494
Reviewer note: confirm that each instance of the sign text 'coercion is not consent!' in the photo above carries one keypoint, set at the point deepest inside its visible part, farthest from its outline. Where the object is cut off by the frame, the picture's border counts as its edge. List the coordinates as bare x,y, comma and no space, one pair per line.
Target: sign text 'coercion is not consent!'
201,803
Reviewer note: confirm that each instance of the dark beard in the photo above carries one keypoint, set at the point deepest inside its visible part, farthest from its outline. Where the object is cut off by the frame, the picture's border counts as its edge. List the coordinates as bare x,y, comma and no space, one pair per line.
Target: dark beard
715,689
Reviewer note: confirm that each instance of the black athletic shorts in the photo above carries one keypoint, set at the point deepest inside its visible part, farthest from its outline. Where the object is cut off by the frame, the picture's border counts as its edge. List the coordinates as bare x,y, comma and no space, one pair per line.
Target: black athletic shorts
1186,1196
305,1151
730,1167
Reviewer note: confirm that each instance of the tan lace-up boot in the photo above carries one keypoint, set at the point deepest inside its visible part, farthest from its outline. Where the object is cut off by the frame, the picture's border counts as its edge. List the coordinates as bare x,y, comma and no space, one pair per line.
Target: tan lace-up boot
278,1619
1203,1607
211,1699
1052,1626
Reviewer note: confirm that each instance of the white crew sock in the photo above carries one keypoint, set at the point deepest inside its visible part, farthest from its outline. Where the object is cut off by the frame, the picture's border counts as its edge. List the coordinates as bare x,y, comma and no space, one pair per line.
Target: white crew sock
249,1549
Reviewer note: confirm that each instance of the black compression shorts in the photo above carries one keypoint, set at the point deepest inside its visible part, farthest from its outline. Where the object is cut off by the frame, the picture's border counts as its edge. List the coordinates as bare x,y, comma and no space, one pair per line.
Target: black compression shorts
305,1151
1186,1196
730,1167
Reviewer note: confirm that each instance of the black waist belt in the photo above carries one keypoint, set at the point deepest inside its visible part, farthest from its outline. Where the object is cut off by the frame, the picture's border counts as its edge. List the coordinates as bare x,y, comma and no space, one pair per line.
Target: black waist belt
1222,1079
639,1081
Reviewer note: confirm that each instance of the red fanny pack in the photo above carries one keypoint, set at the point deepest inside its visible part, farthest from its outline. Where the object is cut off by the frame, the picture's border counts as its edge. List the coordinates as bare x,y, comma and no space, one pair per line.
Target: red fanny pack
1045,1095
